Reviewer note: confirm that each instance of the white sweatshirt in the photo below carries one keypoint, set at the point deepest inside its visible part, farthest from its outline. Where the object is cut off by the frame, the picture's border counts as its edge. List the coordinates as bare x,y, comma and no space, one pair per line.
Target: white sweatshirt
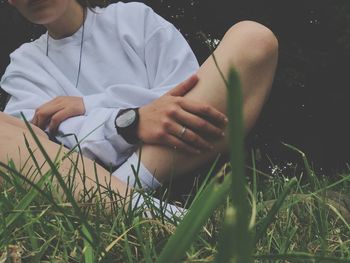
130,57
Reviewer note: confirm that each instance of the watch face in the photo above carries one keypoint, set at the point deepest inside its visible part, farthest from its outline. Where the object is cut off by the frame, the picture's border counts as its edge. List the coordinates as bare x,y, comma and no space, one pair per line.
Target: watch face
126,119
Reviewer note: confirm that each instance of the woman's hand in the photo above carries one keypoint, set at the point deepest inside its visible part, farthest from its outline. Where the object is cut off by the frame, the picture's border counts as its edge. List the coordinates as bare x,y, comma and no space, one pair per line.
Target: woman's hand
178,122
52,113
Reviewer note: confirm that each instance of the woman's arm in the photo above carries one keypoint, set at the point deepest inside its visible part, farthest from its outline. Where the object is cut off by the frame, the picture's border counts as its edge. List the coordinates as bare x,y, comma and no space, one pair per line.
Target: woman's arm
96,129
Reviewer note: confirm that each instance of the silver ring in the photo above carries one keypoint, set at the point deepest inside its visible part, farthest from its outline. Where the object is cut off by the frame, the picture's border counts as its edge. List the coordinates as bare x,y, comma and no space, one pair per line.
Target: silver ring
183,131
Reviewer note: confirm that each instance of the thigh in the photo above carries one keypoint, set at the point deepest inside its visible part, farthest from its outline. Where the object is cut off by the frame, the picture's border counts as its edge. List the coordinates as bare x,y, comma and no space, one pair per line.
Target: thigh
252,50
13,147
13,143
17,123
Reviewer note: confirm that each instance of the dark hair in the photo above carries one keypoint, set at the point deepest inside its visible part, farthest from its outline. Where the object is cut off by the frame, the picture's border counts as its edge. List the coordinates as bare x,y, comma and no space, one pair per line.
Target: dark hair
93,3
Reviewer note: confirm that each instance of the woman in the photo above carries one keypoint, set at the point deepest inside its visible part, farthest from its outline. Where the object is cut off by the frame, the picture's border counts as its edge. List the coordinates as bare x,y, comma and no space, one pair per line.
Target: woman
120,75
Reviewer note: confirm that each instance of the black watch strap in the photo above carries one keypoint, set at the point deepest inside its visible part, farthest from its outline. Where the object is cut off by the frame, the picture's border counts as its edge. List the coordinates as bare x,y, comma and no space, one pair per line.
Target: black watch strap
129,133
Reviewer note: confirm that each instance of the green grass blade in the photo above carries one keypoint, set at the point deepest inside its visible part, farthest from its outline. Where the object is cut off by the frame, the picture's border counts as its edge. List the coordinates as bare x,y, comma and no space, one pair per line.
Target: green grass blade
16,182
207,178
88,250
145,247
310,173
236,239
28,218
224,253
266,221
212,196
42,251
255,178
127,245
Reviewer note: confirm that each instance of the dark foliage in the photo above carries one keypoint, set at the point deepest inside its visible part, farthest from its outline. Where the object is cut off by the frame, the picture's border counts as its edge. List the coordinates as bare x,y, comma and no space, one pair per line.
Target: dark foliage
308,106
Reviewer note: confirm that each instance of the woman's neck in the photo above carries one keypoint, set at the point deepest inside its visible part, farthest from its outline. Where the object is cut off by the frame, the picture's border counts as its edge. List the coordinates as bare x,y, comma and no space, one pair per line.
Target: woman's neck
68,23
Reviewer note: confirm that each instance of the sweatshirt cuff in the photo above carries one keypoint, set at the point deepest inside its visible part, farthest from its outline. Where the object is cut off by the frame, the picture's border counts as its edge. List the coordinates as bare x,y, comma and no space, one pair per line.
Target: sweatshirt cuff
118,141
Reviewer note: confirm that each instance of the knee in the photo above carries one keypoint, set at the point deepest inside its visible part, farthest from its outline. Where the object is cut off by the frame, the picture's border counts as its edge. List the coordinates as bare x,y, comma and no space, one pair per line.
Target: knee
256,42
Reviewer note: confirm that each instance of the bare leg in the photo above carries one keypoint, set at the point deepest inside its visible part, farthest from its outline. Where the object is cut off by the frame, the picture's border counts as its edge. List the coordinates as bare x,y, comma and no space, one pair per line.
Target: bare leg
12,145
252,49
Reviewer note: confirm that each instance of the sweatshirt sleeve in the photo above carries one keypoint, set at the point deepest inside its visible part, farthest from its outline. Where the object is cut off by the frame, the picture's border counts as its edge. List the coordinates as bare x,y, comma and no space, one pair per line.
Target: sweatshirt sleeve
169,58
100,139
95,130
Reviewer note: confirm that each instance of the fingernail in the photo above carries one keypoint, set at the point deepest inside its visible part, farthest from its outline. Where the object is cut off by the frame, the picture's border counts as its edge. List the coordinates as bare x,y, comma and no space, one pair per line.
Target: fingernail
223,134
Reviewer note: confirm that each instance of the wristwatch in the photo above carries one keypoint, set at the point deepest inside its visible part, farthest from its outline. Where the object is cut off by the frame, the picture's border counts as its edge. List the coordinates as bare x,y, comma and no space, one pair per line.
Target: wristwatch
126,124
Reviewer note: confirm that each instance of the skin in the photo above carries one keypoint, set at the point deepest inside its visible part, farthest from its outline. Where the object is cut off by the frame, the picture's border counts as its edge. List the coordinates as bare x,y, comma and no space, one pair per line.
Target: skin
51,114
161,122
166,116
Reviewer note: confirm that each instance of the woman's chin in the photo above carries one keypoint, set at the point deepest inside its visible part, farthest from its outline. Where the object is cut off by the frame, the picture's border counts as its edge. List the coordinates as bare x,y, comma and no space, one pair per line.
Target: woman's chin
41,19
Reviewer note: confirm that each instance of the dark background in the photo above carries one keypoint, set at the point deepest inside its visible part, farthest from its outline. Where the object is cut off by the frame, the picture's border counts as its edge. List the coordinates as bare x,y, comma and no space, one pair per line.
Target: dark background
308,107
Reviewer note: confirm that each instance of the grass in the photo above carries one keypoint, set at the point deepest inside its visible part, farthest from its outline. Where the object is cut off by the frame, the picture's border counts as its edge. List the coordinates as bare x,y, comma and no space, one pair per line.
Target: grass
291,225
240,215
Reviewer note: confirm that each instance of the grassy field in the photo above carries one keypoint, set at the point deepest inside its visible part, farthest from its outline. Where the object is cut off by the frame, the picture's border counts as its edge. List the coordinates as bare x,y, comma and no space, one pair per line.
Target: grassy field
292,221
238,215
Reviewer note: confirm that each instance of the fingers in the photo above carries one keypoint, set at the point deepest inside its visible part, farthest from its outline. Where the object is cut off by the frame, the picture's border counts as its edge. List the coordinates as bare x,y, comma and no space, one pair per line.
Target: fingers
56,120
57,110
184,87
207,112
170,114
200,125
188,137
201,118
44,113
177,143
